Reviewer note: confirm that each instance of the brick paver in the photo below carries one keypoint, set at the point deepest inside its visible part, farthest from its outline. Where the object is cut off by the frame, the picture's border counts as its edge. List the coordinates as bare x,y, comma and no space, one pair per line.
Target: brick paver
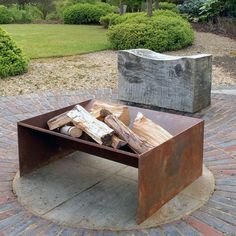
217,217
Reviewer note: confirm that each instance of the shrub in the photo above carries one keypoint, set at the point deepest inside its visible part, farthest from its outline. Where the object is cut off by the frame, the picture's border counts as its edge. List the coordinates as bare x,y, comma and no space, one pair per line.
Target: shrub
34,12
27,15
205,10
191,7
5,15
108,20
159,33
114,19
86,13
12,60
52,16
61,5
168,6
211,9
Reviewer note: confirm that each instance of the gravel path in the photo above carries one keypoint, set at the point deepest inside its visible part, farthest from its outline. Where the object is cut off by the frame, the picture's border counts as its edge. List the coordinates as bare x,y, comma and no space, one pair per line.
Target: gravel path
98,70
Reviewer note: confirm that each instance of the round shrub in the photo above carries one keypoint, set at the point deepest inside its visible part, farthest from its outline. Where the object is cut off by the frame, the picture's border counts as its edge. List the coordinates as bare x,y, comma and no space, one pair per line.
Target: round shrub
114,19
158,33
86,13
5,15
128,16
168,6
12,60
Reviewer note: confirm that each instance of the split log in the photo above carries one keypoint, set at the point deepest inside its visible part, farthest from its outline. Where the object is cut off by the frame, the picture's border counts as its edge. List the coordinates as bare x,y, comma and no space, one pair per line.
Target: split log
119,110
150,131
71,131
58,121
135,142
96,129
117,142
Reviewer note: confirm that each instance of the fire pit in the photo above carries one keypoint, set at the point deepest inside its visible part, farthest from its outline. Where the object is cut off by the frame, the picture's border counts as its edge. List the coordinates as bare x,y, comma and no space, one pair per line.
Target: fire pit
162,172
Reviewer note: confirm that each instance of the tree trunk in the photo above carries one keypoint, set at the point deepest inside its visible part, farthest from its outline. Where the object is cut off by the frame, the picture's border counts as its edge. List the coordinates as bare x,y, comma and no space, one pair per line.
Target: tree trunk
121,8
149,7
156,4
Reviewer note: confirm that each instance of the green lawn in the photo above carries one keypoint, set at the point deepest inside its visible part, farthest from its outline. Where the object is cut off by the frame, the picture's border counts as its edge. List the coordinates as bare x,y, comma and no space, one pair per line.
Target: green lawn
41,40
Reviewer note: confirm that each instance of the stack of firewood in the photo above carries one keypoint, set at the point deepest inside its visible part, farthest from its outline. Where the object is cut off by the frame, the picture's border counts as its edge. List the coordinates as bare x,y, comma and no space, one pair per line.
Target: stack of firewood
107,124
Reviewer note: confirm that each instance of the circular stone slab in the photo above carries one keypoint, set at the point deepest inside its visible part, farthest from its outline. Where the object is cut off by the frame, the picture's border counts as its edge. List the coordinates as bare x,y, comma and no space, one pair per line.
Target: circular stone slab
85,191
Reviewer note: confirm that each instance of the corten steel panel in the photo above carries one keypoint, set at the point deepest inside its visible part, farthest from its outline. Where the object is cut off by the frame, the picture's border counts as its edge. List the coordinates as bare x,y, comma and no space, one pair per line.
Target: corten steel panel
38,146
169,168
163,171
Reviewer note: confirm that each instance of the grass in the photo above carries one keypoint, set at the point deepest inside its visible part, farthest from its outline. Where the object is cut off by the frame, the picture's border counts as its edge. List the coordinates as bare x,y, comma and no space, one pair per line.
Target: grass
54,40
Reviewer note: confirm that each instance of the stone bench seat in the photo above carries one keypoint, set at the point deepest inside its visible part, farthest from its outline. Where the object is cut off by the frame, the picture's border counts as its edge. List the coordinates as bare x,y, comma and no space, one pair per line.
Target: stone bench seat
172,82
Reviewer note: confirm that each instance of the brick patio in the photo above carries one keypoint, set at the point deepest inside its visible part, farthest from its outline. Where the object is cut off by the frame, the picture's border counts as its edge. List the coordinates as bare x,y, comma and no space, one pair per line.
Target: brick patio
217,217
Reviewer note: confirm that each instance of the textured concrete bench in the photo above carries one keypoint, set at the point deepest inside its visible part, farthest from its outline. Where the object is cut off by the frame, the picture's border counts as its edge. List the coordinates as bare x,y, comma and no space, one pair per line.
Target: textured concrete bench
179,83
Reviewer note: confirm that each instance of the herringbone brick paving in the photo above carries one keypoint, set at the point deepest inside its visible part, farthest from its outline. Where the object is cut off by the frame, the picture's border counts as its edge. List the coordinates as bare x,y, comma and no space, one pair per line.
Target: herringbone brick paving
217,217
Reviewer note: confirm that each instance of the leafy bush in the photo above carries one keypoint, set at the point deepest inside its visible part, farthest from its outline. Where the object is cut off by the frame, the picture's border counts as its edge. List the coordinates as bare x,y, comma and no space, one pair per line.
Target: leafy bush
5,15
12,60
159,33
86,13
34,12
168,6
205,10
53,16
108,20
211,9
191,7
27,15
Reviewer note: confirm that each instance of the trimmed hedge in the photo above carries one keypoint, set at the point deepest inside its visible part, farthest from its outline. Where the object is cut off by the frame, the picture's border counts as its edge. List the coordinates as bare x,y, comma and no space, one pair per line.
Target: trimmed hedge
86,13
12,60
159,33
5,15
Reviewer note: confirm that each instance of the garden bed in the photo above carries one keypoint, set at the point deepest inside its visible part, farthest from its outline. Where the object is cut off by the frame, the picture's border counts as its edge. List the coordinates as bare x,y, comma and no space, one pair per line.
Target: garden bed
224,27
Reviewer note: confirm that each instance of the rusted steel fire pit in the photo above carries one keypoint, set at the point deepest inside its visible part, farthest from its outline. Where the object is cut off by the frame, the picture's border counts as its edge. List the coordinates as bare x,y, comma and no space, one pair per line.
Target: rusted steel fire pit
162,172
